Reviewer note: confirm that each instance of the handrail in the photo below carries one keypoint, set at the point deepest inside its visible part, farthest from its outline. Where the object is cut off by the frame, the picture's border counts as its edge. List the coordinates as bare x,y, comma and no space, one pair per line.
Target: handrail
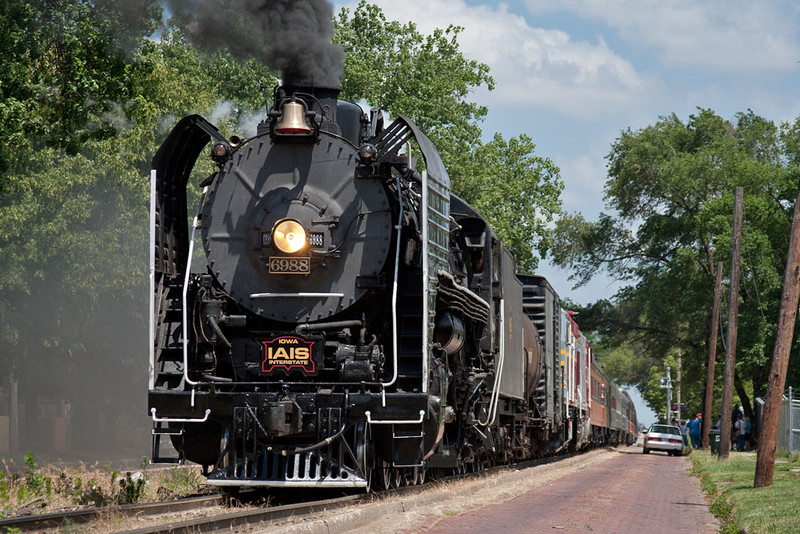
297,295
398,229
184,297
180,419
151,328
371,421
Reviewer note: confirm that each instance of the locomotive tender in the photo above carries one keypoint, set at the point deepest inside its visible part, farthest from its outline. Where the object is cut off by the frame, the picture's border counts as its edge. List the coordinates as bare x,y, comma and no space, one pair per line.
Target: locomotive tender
354,323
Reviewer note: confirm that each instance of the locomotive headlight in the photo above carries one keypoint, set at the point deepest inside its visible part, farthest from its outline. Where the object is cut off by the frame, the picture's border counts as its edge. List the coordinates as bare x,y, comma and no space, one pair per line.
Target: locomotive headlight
289,236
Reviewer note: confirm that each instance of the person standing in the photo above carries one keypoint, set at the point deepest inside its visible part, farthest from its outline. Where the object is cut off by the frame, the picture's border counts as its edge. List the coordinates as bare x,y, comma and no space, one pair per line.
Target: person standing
748,429
695,426
740,429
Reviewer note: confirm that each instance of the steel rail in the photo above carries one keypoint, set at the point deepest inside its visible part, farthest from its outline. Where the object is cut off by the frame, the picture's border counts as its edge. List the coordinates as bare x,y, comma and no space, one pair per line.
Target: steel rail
258,516
85,515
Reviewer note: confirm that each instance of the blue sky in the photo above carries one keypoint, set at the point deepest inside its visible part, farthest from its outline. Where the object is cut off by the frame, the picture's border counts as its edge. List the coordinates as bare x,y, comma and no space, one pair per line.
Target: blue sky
573,74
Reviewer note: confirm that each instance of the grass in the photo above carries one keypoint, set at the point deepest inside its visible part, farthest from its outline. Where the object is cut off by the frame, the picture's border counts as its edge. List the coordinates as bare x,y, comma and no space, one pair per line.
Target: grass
34,489
740,506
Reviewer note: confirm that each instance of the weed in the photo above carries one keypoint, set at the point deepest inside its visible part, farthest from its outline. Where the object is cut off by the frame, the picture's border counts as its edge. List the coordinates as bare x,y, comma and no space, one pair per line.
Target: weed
721,507
181,480
94,495
131,489
3,488
89,485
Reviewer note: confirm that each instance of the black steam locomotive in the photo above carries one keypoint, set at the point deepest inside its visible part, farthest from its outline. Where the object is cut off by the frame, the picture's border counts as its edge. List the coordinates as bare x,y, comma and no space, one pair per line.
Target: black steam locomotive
353,323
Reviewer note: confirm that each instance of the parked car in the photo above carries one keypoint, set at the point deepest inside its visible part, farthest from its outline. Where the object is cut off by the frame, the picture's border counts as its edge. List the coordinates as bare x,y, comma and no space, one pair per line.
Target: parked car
663,438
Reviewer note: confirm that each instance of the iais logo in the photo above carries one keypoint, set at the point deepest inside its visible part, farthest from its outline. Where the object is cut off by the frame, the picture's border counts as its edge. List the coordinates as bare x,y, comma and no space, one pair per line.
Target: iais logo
287,353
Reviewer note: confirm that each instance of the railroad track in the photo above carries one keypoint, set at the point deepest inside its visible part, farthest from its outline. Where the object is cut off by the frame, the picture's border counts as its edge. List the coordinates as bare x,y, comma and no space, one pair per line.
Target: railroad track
262,516
266,517
73,517
259,516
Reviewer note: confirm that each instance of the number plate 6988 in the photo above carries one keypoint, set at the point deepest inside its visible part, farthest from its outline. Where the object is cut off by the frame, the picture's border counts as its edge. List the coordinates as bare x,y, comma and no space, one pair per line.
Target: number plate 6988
283,265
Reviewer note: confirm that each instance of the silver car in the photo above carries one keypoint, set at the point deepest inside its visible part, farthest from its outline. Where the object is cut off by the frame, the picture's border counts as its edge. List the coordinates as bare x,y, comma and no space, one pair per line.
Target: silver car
663,438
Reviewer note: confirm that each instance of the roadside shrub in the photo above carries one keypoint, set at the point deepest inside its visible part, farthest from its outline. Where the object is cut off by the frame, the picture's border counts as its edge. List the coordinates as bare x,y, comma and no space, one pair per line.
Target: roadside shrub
131,488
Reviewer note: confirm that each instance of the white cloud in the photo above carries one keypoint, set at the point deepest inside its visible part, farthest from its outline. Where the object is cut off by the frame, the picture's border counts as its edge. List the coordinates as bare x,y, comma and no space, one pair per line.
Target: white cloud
532,66
723,36
586,174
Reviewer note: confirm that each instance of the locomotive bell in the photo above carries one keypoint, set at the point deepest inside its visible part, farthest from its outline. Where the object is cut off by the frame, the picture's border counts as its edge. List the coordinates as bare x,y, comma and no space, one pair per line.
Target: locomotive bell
293,119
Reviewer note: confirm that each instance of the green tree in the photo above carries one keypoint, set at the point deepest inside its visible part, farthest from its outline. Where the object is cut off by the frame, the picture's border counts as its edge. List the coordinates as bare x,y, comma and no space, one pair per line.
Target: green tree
427,78
85,107
671,186
63,73
517,191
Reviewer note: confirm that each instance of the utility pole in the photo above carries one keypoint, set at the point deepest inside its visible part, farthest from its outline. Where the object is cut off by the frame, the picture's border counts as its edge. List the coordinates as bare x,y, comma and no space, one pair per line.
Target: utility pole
712,358
678,393
733,323
666,382
768,438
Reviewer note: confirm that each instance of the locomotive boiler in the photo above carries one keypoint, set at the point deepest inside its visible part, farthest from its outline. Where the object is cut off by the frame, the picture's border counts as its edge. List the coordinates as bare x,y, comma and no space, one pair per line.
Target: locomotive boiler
351,323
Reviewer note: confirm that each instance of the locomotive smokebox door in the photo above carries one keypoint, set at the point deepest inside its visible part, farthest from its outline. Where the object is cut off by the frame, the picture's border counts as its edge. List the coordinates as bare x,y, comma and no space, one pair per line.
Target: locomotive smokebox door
305,231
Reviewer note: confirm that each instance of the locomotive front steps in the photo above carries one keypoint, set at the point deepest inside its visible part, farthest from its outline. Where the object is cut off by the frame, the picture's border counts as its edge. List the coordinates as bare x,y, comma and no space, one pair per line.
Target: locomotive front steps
158,432
407,445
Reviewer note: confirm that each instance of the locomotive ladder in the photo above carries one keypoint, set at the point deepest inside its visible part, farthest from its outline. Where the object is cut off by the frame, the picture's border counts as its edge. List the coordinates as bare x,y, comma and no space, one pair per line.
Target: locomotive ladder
168,369
409,343
169,338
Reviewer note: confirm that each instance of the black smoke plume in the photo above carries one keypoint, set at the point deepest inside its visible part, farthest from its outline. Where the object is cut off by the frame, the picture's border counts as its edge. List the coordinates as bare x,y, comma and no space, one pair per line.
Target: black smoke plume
291,36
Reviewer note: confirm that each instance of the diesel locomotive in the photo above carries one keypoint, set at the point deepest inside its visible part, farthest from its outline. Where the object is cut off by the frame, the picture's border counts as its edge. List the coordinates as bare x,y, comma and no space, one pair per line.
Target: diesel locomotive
349,321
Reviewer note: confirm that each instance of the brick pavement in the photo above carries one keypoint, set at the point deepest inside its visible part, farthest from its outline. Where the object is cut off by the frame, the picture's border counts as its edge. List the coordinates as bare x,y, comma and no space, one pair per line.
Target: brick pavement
630,492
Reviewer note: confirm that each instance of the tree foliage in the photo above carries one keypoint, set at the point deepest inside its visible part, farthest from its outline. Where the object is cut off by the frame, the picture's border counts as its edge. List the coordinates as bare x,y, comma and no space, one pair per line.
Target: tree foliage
395,67
671,186
519,193
426,77
85,99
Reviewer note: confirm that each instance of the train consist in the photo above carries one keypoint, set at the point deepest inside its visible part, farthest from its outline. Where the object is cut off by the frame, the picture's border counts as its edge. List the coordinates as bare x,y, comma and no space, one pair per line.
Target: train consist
352,323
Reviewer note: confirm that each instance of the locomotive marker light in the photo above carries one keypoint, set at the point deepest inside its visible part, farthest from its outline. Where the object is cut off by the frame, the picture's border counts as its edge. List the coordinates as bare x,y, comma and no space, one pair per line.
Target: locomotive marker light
367,152
220,152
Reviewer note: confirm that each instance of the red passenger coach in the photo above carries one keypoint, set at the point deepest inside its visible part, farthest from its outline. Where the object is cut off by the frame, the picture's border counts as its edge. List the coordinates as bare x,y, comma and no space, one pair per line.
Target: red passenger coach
613,417
599,412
